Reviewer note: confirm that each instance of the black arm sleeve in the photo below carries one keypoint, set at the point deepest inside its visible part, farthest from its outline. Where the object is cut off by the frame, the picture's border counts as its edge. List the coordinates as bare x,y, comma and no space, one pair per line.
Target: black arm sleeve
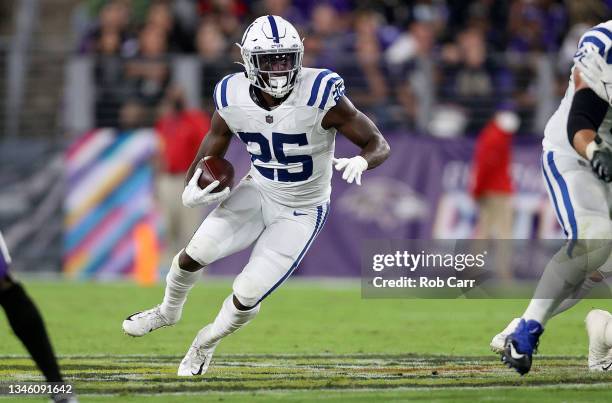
587,112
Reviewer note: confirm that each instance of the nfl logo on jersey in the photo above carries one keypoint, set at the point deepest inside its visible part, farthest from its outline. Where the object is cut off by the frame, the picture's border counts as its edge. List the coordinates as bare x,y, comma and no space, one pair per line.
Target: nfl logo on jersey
269,119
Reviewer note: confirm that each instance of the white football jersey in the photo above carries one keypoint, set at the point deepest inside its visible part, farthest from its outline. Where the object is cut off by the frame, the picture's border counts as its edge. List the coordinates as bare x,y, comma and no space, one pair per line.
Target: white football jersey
555,133
291,154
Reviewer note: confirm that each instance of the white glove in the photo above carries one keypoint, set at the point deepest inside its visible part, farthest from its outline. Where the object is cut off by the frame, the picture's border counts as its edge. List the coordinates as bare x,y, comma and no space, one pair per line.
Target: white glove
596,72
194,196
353,168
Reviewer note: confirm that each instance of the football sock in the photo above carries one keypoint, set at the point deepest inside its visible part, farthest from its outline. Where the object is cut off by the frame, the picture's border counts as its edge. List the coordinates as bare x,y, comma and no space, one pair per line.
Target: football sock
561,277
28,326
178,284
567,276
538,310
228,320
576,297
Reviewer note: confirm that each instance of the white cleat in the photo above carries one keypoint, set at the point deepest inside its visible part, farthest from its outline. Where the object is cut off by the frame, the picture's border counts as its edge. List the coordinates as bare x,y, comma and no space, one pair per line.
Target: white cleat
498,343
198,358
600,354
144,322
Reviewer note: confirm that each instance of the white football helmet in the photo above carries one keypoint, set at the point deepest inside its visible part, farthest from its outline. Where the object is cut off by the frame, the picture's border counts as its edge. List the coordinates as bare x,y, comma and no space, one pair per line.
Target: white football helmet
272,51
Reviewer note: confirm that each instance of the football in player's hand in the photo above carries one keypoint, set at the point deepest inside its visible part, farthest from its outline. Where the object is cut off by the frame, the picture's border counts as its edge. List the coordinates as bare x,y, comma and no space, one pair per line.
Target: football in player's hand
216,169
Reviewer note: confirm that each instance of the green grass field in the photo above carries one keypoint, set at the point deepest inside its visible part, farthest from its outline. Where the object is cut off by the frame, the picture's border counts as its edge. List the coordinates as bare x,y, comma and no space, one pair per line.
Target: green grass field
313,341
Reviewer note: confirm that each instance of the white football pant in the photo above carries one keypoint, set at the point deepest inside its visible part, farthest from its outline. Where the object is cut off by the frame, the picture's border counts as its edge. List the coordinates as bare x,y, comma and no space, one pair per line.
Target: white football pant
281,235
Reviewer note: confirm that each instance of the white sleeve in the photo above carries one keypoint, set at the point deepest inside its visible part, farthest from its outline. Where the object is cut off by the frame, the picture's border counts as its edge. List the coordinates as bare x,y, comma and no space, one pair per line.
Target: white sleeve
221,93
599,38
333,89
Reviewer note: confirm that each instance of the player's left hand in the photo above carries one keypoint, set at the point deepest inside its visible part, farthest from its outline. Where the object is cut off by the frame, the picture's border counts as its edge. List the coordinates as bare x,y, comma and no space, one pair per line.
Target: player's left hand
353,168
596,72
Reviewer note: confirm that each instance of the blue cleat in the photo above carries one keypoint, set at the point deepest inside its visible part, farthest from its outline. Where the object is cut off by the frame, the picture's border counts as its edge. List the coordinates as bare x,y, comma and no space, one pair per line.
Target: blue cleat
521,345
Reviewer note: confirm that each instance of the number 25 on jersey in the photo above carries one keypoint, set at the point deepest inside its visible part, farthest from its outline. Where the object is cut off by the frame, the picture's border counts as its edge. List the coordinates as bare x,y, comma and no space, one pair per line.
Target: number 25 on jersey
278,141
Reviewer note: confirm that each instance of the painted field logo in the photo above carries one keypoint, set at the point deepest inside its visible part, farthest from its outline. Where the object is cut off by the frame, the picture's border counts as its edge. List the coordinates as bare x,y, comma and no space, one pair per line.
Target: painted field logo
385,201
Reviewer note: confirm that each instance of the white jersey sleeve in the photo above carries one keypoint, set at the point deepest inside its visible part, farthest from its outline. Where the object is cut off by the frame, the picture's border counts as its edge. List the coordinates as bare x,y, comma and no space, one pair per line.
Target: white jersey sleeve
222,96
600,36
555,133
327,88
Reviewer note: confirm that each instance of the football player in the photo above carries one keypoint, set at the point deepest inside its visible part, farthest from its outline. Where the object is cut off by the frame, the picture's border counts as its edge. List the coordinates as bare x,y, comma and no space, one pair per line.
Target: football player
27,324
287,116
577,168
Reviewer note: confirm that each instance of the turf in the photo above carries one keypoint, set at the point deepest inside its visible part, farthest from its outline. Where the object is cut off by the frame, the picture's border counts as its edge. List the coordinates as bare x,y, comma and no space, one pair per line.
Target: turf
313,341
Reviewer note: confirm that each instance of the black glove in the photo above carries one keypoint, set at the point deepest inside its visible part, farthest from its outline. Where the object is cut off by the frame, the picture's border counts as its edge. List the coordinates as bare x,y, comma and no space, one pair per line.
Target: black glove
602,164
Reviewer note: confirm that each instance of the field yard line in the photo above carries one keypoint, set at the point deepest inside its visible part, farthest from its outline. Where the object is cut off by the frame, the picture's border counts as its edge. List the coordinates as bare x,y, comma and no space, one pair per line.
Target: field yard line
303,356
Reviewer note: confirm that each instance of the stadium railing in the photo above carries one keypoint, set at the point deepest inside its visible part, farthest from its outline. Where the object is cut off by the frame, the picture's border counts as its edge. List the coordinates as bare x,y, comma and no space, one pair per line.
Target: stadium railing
416,95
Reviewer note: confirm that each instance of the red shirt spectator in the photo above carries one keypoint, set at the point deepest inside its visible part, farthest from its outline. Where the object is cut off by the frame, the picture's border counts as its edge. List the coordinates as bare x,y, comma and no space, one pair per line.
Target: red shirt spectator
181,133
492,157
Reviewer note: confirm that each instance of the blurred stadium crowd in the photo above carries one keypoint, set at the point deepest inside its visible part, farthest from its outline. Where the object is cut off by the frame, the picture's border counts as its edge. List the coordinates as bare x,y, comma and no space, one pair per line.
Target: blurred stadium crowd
436,66
70,69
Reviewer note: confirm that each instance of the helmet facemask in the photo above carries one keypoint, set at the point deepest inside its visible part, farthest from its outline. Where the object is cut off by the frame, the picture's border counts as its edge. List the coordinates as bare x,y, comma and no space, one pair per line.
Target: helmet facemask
273,71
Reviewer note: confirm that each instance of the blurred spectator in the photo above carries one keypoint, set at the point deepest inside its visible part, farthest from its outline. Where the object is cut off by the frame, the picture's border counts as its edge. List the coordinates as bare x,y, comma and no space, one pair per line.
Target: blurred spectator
159,15
535,26
113,20
216,62
211,44
178,32
492,187
407,64
235,8
148,72
468,77
491,181
486,16
473,78
180,131
109,80
326,39
285,9
227,14
187,20
131,116
366,79
109,43
411,57
417,41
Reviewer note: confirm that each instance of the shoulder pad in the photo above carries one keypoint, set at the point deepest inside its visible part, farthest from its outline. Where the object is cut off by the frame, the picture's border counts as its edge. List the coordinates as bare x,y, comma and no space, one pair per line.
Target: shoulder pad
223,95
601,37
323,88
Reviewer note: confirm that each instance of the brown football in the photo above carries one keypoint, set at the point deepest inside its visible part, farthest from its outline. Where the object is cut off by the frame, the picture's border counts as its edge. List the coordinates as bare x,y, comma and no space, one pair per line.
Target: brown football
216,169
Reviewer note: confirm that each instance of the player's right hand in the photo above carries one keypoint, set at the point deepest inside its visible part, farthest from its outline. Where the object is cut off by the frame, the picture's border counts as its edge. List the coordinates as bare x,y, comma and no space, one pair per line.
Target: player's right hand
602,164
194,196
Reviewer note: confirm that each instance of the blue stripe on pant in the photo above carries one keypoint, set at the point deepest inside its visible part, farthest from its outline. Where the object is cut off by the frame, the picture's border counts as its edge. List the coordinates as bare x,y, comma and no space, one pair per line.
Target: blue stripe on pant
554,198
319,224
5,259
567,202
